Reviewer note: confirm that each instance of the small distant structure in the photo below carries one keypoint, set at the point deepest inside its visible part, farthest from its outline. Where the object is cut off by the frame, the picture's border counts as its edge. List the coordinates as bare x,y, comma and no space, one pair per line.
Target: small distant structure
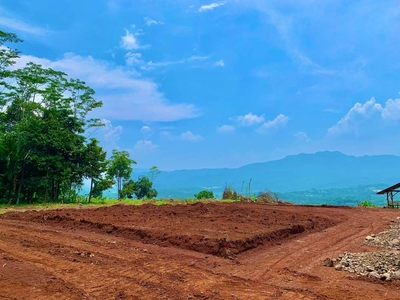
390,193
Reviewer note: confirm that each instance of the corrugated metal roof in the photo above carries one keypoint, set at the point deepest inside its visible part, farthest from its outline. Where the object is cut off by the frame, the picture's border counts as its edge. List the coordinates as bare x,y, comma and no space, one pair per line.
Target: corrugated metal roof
389,189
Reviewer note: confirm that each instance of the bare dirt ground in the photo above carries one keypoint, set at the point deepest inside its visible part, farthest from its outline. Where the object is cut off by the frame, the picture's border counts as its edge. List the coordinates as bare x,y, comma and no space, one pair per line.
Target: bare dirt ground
179,252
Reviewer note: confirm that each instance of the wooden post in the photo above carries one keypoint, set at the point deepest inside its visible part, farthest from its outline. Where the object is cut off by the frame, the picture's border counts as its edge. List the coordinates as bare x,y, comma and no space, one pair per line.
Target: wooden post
391,199
387,199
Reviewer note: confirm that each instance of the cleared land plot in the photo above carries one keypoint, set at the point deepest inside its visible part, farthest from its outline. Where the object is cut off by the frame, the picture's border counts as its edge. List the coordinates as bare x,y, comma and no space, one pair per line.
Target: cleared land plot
179,252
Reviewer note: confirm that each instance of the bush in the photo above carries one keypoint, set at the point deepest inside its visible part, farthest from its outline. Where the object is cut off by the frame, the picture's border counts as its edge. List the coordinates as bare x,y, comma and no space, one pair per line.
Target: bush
367,203
267,197
229,194
205,194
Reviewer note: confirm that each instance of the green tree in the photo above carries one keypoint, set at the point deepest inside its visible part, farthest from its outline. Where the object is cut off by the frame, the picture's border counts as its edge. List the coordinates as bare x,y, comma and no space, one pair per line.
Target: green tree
128,189
101,185
205,194
95,163
43,116
153,173
120,168
7,59
144,188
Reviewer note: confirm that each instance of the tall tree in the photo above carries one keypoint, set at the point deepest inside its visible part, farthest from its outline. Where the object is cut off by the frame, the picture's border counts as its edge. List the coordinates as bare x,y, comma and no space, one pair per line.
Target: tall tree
120,168
43,117
153,173
95,163
7,59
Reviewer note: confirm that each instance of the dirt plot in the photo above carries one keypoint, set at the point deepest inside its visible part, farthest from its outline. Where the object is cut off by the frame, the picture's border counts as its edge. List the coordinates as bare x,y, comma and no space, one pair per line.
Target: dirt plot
199,251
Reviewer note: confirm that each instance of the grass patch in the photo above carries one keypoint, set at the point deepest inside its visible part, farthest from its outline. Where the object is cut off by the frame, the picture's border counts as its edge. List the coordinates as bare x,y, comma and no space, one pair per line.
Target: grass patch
100,202
229,200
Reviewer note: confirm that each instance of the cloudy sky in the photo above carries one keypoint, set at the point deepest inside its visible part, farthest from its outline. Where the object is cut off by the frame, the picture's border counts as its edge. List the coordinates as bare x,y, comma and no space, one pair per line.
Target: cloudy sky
192,84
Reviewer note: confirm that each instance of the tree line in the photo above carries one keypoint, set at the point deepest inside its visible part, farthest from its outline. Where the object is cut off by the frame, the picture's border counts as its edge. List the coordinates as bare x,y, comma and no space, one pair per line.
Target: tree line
44,154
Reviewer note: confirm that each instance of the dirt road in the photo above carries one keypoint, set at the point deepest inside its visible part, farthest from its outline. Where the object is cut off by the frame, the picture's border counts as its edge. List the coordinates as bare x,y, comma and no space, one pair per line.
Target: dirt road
180,252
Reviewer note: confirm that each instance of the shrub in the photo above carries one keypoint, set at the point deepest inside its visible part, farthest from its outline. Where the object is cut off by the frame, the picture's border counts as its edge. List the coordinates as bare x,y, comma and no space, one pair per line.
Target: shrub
229,194
367,203
205,194
267,196
264,197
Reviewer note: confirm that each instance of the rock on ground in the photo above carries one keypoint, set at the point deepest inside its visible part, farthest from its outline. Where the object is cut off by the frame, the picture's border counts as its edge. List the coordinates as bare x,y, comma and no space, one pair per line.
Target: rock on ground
383,264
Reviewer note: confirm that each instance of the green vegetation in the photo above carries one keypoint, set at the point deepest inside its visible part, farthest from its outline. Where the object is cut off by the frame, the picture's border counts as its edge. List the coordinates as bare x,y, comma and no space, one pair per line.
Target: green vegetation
44,154
95,167
229,193
120,168
153,173
143,187
96,202
205,194
367,203
268,196
264,197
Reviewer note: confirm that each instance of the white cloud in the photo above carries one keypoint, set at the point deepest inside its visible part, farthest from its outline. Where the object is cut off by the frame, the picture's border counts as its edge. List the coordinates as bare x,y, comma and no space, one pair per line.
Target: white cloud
146,105
129,41
211,6
226,129
111,133
145,129
279,121
132,58
97,73
189,136
362,116
9,21
108,134
165,134
125,94
220,63
302,136
145,146
150,65
392,110
249,119
150,22
355,116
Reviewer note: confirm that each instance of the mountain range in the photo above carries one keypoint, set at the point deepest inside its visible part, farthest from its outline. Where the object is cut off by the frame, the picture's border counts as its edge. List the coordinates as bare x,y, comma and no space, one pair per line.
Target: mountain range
296,173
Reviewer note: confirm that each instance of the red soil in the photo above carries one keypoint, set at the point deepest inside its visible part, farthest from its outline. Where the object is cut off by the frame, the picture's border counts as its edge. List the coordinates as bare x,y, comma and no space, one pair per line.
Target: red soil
179,252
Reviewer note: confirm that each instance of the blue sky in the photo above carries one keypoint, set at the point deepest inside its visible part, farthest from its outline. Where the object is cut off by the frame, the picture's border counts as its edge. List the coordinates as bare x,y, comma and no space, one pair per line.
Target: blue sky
192,84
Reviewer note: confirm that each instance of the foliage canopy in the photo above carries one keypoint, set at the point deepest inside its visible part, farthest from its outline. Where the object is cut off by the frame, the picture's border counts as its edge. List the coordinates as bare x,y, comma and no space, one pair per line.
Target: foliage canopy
44,153
205,194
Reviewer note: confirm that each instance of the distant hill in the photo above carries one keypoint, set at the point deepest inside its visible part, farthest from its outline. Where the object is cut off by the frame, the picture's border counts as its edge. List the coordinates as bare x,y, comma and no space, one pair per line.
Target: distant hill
302,172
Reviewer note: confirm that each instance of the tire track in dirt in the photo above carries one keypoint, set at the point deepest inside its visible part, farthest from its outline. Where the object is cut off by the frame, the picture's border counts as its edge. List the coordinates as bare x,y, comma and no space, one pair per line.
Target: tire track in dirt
148,278
78,272
305,258
77,261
